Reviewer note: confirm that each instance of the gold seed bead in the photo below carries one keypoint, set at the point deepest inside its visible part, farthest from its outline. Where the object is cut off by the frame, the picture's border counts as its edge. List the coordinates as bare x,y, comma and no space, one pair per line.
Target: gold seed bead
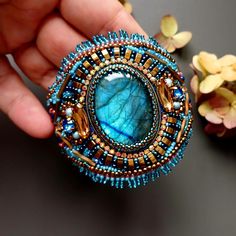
92,72
97,68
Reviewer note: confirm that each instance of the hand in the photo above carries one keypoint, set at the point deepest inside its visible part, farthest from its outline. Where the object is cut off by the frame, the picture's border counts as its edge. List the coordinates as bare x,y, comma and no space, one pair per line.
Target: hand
39,34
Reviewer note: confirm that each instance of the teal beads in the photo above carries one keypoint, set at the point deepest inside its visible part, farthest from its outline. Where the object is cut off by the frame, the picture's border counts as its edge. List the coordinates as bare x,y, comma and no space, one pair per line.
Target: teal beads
123,107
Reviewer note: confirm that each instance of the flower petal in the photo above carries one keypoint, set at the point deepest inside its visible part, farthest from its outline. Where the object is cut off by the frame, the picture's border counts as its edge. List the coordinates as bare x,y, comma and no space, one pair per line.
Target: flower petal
194,84
219,130
210,83
228,73
227,60
181,39
218,101
221,133
214,118
169,25
233,104
226,93
209,62
204,108
165,42
170,47
230,119
128,7
234,66
197,65
160,37
219,104
222,111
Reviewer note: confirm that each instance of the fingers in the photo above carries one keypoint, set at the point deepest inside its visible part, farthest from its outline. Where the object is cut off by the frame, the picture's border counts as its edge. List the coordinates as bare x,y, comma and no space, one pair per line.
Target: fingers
36,66
98,17
20,21
22,107
56,39
43,6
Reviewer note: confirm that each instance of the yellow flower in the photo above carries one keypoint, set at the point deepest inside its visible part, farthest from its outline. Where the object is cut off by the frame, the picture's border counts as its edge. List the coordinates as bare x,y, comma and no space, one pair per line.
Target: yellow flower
214,71
214,86
220,108
169,38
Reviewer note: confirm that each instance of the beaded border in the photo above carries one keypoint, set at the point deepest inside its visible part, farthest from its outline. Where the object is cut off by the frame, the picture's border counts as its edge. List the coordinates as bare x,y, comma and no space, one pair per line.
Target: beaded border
156,110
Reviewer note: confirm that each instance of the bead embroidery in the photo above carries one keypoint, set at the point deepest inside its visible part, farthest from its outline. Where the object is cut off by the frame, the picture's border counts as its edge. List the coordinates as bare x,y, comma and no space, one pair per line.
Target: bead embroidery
121,110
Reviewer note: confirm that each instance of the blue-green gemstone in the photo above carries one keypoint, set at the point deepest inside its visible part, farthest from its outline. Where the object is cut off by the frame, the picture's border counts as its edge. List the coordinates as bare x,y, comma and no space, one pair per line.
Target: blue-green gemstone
123,107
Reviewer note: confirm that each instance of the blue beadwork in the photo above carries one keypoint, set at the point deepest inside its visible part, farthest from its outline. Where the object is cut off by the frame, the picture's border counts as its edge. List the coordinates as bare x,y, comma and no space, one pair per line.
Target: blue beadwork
121,111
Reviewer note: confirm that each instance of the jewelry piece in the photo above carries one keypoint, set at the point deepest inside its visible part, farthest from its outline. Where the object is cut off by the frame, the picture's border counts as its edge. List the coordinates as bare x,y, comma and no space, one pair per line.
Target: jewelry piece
121,110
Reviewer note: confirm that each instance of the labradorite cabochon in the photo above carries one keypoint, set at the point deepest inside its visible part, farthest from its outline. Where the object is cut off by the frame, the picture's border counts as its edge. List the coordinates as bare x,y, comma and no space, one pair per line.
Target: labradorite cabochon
123,107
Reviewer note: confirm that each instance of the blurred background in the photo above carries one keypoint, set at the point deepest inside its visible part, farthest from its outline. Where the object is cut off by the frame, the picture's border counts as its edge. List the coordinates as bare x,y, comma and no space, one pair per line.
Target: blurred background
42,194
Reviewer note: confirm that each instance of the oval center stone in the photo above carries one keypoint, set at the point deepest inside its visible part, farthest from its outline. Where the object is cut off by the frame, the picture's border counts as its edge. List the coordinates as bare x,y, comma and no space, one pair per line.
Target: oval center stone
123,107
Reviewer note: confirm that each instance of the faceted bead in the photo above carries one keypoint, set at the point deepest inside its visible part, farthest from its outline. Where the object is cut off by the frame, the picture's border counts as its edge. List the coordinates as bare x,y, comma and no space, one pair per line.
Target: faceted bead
178,93
68,126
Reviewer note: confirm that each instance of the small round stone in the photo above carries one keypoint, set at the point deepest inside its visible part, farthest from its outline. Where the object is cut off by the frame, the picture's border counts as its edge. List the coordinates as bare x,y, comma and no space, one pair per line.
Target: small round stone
176,105
69,111
153,79
76,135
169,82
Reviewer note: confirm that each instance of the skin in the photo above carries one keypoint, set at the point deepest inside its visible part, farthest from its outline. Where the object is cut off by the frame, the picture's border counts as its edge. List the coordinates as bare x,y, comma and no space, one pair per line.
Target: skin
39,34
